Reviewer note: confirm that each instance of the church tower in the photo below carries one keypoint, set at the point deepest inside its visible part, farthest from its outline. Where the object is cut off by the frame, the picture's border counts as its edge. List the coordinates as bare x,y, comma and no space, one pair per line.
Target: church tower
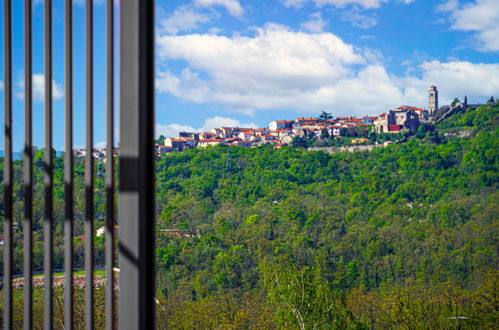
432,100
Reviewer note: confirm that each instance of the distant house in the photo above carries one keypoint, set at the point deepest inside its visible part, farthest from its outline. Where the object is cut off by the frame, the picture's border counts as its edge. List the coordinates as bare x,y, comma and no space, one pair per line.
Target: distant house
423,114
280,124
303,121
188,135
207,135
243,144
80,153
396,120
228,132
368,120
97,154
218,132
335,130
179,144
261,131
161,149
245,136
208,142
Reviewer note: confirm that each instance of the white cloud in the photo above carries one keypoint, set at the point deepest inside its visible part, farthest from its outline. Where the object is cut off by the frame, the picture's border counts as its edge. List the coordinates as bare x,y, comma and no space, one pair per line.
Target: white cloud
1,85
282,69
38,88
454,79
315,25
184,18
172,130
449,5
480,17
358,19
336,3
232,6
189,86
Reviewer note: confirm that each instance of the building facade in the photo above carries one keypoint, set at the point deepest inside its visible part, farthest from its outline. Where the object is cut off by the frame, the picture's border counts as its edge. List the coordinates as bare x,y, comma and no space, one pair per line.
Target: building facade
396,120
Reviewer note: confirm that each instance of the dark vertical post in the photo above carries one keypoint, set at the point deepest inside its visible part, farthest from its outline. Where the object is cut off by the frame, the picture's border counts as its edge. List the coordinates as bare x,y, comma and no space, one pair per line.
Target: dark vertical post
28,170
136,197
68,165
89,171
8,176
110,301
48,173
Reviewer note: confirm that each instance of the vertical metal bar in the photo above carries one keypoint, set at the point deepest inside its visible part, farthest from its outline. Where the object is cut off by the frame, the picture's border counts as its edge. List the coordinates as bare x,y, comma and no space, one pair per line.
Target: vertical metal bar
110,300
7,166
68,165
89,172
28,169
136,194
48,174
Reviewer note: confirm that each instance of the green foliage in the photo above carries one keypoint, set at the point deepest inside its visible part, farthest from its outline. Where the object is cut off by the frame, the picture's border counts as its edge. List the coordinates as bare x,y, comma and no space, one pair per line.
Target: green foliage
455,101
325,116
345,226
398,237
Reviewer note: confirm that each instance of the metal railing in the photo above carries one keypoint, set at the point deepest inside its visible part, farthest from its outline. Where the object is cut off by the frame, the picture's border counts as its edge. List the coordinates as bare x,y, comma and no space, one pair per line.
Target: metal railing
136,171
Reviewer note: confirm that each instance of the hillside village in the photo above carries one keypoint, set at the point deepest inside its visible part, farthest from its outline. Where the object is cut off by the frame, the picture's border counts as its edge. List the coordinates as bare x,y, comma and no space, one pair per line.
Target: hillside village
355,131
282,132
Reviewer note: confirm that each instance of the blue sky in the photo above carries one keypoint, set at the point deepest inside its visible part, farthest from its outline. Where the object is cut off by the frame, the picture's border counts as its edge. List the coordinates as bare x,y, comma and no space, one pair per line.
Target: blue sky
241,62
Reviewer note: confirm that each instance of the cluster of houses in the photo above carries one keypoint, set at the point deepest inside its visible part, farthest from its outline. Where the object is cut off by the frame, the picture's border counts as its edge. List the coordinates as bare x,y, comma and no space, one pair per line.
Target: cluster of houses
97,153
282,132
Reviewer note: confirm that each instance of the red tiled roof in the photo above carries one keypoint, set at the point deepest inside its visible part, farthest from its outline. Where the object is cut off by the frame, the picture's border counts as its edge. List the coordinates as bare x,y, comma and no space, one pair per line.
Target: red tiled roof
245,129
395,128
408,107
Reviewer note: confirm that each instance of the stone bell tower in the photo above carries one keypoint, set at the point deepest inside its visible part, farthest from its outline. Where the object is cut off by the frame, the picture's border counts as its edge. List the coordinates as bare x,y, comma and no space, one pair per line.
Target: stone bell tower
432,100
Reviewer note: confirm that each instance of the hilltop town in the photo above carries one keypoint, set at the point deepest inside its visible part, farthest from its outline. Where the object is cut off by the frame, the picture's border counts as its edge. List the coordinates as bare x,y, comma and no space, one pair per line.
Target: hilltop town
404,119
322,131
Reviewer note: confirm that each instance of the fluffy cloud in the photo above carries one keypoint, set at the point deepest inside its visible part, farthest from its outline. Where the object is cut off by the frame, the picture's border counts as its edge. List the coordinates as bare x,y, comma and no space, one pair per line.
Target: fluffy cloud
282,69
336,3
232,6
480,17
454,79
184,18
276,54
315,25
38,86
172,130
358,19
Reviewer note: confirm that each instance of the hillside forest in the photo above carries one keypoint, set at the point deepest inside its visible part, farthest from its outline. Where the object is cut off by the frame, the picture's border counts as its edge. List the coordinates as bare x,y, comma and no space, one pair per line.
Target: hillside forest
404,236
